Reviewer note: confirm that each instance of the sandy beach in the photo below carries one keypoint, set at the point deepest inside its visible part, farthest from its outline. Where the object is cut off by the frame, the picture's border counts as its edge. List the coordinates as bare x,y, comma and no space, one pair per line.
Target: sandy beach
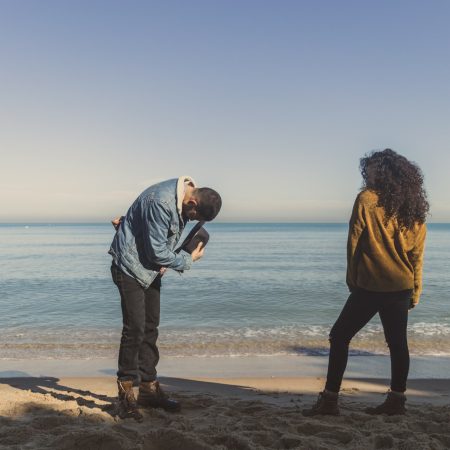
219,413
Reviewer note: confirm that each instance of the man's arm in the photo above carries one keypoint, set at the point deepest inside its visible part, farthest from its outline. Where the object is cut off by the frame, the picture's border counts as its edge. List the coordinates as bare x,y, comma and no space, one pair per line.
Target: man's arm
356,227
156,224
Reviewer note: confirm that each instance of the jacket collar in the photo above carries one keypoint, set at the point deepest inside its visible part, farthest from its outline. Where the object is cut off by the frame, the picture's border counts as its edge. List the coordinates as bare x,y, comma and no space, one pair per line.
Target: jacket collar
181,190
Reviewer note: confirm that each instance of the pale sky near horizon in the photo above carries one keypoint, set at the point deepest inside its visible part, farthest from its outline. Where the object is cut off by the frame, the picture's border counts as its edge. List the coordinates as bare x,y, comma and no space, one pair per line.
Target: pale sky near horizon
272,103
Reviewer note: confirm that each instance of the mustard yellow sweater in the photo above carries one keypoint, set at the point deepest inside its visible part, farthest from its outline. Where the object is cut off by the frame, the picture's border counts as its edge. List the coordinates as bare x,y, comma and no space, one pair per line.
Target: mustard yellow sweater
383,258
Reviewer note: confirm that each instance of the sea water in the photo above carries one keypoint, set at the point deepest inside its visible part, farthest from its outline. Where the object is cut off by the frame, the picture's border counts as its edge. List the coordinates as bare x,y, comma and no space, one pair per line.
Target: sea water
260,289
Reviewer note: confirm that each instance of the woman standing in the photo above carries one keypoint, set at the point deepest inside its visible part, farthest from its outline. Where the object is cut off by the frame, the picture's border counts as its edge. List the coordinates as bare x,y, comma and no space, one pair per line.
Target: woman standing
384,272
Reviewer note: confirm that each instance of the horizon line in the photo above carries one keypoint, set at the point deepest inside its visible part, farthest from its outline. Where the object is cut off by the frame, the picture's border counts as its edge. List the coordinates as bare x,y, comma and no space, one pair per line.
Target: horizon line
311,222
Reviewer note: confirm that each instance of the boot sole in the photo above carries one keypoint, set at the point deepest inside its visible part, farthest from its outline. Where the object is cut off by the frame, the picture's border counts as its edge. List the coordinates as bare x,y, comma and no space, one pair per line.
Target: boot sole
306,414
384,413
147,406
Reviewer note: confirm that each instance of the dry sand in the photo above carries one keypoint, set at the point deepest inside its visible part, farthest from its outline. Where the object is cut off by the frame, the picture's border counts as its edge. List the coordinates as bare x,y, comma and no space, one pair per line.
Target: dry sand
245,413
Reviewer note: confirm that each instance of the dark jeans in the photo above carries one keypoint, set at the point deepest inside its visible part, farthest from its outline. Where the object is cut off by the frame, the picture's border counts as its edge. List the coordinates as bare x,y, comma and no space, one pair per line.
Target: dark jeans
361,306
138,354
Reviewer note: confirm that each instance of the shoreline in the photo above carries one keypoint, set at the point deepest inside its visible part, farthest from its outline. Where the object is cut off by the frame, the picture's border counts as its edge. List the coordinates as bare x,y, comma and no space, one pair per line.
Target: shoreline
422,367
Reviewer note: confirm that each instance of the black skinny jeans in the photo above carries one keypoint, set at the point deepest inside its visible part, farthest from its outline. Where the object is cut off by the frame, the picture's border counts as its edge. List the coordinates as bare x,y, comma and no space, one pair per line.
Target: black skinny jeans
361,306
138,354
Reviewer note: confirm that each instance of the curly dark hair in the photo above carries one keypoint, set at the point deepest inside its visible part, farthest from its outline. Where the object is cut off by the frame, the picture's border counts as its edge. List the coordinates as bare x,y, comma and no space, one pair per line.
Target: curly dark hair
399,185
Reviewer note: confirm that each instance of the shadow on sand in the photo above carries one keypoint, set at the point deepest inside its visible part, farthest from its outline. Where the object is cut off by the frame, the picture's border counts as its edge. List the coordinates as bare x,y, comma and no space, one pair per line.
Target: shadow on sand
51,386
215,416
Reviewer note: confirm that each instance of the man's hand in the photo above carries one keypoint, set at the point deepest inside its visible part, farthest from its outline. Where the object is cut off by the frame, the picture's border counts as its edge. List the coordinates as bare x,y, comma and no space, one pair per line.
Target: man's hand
162,271
198,252
116,222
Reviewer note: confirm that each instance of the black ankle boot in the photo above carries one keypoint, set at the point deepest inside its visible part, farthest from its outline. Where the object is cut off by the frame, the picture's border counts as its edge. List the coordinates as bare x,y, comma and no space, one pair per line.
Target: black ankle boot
394,404
327,404
151,395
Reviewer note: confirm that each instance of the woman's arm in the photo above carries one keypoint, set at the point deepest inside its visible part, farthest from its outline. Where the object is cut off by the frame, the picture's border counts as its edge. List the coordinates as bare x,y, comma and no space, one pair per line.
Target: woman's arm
415,256
356,227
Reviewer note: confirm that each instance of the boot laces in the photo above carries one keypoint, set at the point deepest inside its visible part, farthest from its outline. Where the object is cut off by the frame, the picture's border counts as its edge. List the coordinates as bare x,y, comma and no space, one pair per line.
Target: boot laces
128,394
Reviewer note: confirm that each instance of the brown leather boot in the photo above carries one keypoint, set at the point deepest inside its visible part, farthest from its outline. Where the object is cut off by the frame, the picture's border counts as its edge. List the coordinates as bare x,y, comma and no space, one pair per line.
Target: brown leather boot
127,402
151,395
394,404
327,404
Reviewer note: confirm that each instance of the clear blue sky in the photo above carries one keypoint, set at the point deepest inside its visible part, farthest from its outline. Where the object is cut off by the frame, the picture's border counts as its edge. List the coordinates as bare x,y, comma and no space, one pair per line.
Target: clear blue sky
270,102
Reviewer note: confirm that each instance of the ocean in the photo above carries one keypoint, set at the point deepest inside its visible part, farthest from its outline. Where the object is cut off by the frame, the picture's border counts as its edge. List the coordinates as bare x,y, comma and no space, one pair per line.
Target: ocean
260,290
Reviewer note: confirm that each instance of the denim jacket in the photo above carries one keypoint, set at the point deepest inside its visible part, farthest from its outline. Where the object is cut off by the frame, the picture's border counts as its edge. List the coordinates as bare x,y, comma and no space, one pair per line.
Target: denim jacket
149,232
